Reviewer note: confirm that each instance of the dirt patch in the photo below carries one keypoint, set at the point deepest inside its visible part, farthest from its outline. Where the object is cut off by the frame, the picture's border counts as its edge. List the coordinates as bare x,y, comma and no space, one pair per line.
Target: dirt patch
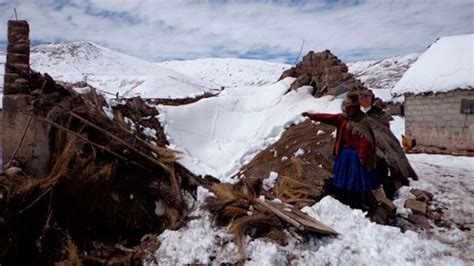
303,160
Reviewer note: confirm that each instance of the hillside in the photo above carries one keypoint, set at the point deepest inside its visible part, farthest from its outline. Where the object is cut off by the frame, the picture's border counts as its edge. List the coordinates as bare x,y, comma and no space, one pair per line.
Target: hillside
113,72
381,75
229,72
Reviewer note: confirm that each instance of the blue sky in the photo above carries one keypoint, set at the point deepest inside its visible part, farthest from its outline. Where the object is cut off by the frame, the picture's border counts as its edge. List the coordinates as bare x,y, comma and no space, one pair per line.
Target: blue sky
158,30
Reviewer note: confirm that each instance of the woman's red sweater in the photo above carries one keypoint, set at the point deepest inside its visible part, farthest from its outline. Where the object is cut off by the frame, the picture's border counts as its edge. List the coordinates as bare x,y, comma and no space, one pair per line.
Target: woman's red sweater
345,138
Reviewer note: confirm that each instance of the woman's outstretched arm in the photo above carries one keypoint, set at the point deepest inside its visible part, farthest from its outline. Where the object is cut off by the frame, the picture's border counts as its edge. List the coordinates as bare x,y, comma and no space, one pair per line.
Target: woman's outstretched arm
330,119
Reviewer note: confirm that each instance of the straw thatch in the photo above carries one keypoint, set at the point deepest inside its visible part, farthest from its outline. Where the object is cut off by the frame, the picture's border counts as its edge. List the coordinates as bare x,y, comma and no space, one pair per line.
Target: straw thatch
104,180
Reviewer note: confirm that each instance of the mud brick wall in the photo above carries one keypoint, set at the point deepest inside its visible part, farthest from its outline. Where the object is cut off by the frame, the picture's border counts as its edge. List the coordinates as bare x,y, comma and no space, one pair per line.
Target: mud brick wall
18,55
437,124
322,69
33,153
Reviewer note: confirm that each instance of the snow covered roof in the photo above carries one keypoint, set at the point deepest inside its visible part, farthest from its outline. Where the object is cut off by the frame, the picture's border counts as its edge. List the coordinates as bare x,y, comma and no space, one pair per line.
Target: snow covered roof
448,64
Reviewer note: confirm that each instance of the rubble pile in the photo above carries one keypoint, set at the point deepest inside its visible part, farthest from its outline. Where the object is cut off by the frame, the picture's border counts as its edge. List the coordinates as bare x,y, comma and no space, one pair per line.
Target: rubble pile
107,185
324,72
419,209
111,182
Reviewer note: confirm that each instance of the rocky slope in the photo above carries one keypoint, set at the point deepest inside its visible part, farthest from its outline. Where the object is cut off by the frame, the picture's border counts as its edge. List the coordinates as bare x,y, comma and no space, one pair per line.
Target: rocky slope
382,75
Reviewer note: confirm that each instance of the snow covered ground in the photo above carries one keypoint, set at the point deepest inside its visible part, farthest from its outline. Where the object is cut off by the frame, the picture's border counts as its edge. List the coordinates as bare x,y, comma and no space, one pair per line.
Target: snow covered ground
381,75
220,134
361,242
451,180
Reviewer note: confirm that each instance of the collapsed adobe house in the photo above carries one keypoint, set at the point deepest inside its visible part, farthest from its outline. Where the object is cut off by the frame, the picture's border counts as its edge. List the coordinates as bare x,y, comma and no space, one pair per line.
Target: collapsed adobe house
91,180
84,182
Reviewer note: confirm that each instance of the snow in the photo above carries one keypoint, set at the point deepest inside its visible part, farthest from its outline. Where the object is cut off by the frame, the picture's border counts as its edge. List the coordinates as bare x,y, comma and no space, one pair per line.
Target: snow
451,181
264,253
299,152
113,72
362,242
159,208
108,112
194,243
448,64
397,125
269,182
218,135
149,132
229,72
198,241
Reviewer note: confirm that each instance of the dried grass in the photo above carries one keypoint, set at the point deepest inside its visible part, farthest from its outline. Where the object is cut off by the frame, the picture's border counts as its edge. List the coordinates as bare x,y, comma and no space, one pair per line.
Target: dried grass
72,251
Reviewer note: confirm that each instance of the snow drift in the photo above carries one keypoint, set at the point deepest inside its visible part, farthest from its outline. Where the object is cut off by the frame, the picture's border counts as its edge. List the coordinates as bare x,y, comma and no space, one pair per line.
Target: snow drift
218,135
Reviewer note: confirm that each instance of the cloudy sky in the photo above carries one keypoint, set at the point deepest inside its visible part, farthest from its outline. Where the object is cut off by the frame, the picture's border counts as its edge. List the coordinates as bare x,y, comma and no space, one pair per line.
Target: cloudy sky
272,30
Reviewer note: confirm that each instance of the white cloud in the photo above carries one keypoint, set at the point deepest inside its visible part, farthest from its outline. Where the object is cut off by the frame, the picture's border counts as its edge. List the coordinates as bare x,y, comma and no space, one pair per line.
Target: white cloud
158,30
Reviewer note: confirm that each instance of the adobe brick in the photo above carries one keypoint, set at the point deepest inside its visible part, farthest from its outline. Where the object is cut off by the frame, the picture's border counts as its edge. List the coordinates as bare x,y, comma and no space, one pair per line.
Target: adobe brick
19,48
18,24
14,58
24,67
10,77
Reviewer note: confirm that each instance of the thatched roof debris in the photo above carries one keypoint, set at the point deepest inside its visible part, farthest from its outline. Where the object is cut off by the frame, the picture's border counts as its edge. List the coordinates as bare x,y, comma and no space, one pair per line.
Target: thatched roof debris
103,178
106,174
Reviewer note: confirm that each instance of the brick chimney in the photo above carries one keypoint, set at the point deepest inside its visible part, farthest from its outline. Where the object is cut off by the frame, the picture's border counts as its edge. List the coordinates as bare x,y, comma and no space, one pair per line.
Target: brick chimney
18,55
25,139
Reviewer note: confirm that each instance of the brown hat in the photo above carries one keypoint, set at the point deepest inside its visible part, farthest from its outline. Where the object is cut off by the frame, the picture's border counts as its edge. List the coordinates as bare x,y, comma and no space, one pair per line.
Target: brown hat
351,99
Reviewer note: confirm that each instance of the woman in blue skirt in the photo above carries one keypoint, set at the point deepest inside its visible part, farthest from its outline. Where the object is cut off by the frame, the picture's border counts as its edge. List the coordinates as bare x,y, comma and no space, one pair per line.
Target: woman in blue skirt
354,168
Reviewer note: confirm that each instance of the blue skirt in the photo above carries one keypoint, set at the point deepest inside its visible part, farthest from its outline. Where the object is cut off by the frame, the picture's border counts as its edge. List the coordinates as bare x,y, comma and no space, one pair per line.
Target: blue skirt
349,174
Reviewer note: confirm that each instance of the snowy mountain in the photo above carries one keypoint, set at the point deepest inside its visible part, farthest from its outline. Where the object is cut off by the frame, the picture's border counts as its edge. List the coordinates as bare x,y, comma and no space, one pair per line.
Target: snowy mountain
113,72
230,72
382,75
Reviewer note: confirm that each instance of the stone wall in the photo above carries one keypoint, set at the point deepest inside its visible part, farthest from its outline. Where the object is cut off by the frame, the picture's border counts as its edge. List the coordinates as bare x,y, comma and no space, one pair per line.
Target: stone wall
437,124
23,136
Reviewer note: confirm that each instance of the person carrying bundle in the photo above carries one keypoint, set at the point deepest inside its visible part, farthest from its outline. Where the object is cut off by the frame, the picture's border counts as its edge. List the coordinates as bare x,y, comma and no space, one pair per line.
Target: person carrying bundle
354,167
